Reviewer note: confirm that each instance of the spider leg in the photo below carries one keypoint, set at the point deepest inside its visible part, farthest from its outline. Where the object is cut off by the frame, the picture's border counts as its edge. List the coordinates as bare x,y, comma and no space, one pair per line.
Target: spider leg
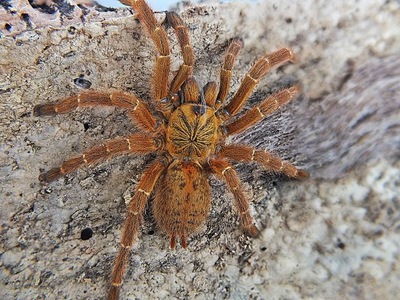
138,110
214,96
257,113
210,93
249,82
264,158
225,170
131,225
182,33
134,143
226,69
190,91
159,37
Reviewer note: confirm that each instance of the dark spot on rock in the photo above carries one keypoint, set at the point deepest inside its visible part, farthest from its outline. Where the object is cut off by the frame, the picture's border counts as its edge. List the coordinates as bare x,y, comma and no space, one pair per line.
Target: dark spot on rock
136,36
69,54
82,83
44,8
26,19
102,8
6,4
65,7
86,234
71,30
340,244
7,26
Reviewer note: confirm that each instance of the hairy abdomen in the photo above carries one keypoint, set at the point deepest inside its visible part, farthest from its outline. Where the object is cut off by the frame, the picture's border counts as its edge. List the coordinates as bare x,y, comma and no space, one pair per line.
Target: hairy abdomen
182,200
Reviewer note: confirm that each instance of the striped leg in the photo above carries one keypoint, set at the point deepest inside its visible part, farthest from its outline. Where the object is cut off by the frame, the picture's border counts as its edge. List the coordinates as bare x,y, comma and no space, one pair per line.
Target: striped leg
182,33
265,108
159,37
210,93
228,174
131,225
134,143
264,158
190,91
138,110
249,82
226,70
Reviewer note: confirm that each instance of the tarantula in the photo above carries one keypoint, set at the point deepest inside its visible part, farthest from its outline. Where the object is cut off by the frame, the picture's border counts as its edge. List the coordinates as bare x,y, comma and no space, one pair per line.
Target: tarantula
187,128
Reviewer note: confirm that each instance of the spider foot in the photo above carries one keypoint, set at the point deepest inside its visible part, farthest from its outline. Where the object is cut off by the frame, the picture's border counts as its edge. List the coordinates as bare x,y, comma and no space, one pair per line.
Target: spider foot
183,239
252,231
44,110
114,292
50,175
302,174
172,242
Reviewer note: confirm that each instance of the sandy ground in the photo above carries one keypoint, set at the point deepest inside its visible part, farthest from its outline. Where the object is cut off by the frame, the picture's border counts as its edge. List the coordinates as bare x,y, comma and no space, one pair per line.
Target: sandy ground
333,236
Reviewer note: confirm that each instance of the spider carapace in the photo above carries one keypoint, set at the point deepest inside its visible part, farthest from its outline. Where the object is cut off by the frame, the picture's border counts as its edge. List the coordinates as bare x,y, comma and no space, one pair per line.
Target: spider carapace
192,132
187,128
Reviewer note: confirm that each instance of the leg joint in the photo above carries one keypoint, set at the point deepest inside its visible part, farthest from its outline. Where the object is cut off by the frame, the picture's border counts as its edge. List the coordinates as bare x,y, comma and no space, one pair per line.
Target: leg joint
253,154
117,284
144,192
125,246
245,212
226,169
251,78
129,144
260,112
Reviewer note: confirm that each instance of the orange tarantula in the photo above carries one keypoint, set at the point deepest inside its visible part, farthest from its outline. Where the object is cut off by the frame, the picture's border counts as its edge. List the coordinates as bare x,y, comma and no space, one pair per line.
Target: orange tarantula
187,128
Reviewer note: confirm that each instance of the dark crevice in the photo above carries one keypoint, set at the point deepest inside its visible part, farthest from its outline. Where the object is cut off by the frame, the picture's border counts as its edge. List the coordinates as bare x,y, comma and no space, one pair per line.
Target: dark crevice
86,234
44,8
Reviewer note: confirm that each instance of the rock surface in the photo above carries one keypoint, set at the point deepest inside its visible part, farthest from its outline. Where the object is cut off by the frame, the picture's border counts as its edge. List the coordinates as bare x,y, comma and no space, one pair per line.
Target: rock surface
335,235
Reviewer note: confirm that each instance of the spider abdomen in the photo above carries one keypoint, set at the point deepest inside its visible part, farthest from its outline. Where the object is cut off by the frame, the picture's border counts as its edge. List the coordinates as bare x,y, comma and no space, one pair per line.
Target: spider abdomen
192,131
182,200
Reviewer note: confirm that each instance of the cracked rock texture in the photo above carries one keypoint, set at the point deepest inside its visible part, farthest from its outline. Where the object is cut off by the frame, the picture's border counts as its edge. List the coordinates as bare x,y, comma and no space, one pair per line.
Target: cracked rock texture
333,236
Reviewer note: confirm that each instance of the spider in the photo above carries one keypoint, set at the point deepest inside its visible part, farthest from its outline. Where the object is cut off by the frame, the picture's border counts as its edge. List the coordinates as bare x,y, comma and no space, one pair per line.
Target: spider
186,127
